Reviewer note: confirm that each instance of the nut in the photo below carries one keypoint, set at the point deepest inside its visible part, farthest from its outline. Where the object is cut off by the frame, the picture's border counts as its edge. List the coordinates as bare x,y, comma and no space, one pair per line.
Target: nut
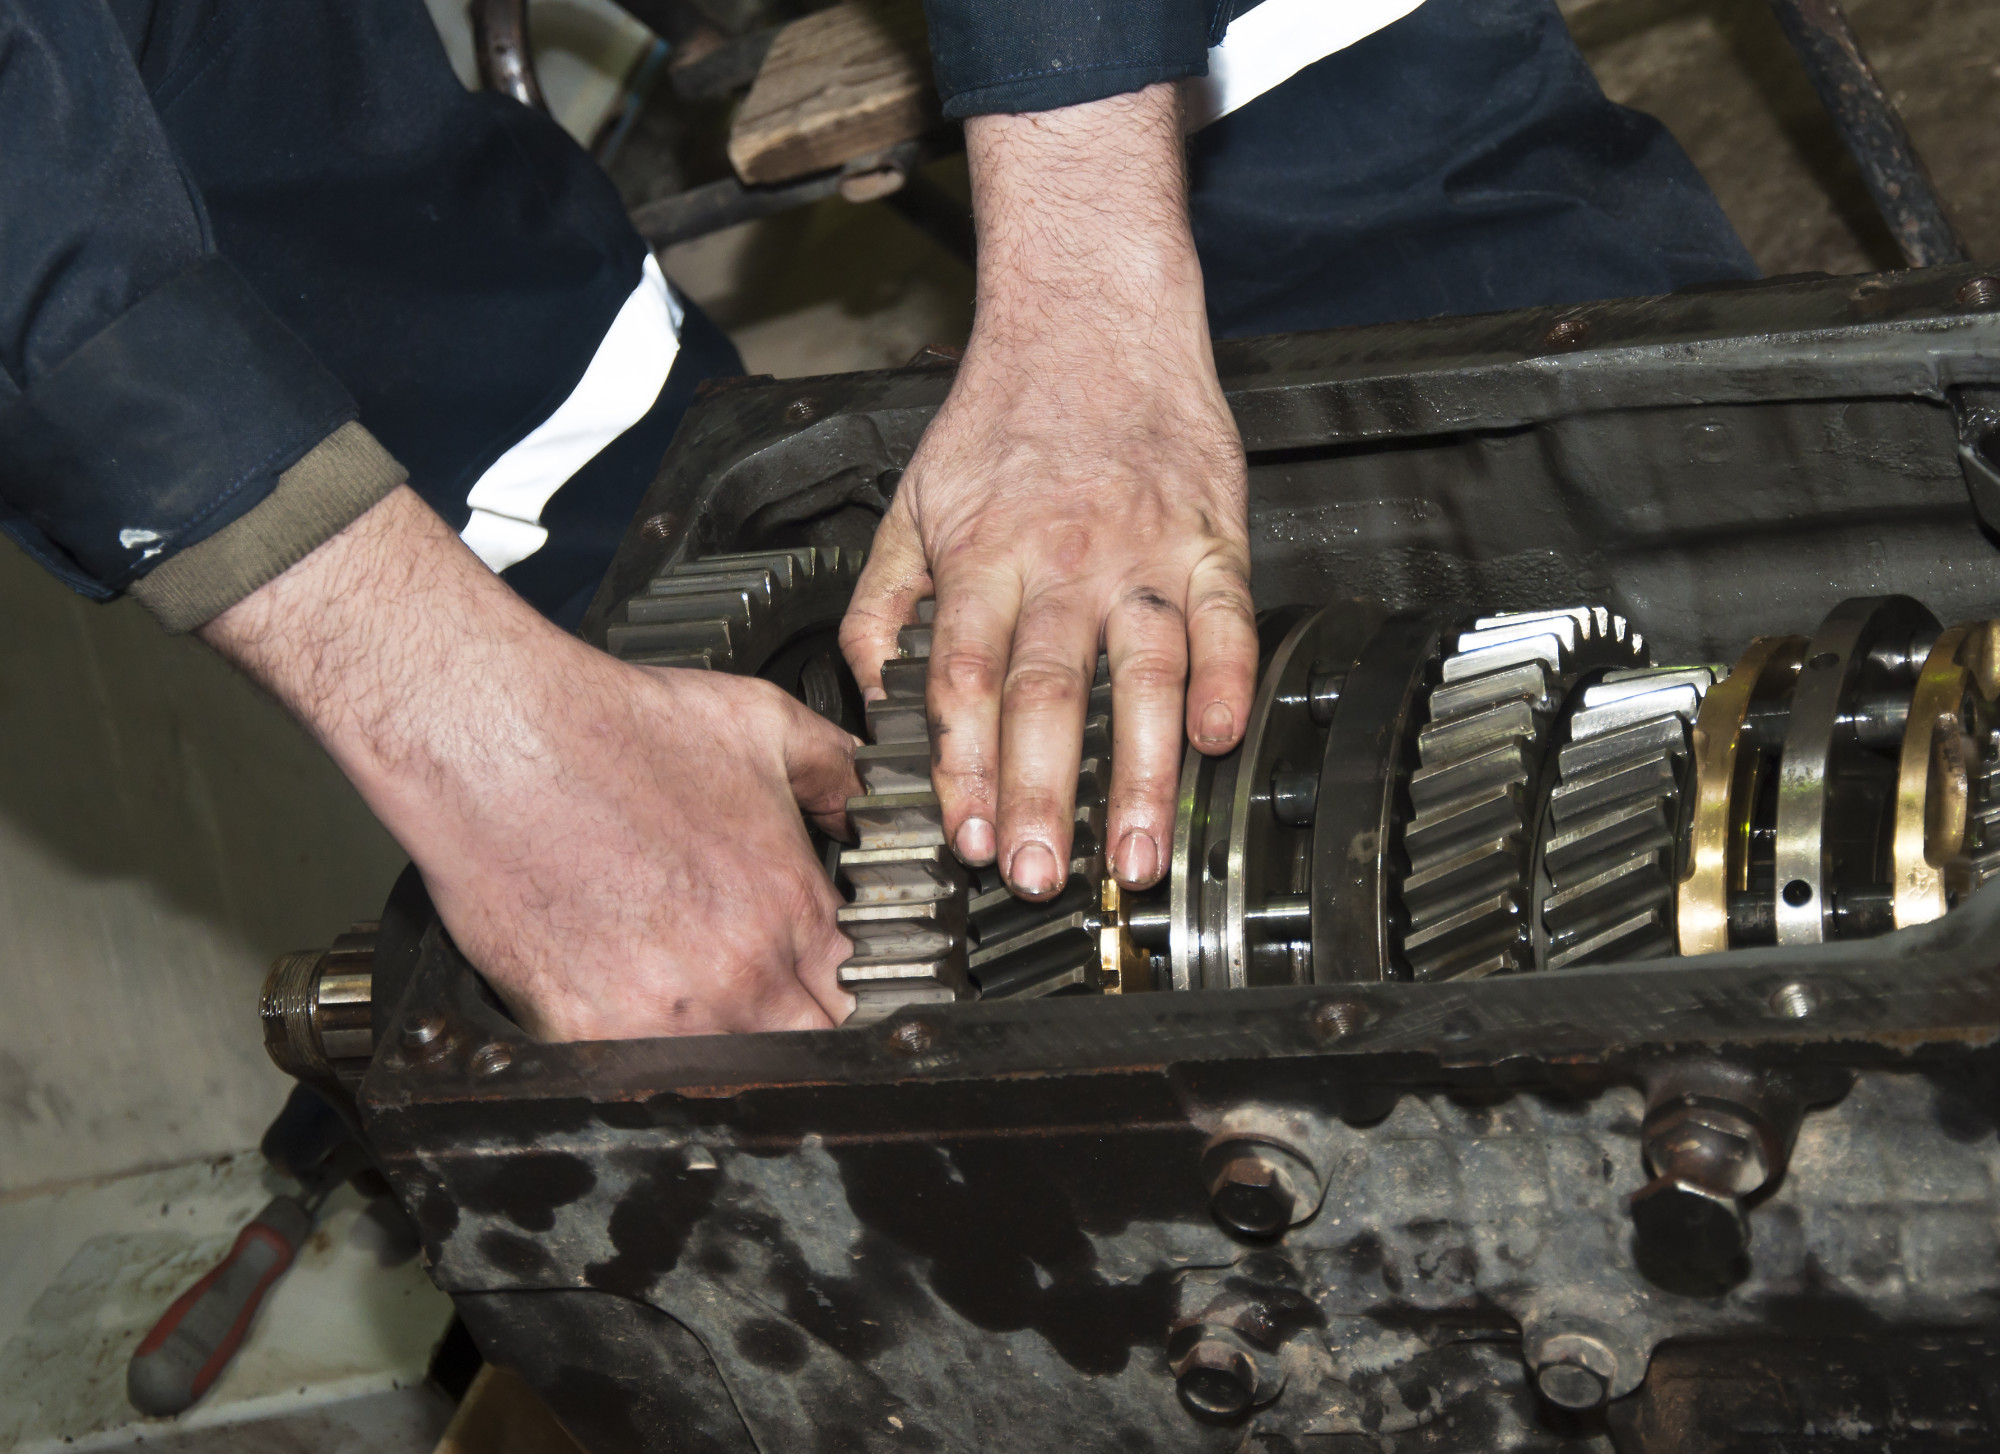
1575,1370
1714,1145
1689,1223
1217,1374
1259,1190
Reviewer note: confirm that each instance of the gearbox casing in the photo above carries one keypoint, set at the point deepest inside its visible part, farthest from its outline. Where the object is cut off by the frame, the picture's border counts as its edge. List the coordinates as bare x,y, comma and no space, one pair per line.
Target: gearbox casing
989,1225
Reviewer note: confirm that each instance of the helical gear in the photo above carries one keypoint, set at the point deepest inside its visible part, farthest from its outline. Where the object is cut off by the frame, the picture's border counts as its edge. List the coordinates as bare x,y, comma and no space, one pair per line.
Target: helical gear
1608,847
1470,843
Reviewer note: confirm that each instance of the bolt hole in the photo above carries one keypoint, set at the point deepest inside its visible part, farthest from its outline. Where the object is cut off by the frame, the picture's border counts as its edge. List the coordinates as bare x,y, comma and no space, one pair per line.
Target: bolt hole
1798,893
1794,1001
1825,661
1337,1018
912,1037
1567,334
1980,293
492,1059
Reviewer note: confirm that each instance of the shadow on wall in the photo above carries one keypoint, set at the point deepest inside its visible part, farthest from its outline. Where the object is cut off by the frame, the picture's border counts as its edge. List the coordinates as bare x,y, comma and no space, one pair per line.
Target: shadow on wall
129,755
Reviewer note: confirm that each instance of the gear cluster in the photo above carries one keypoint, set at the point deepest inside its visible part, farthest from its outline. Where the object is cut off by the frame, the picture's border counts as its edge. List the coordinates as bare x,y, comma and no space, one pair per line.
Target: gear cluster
1417,798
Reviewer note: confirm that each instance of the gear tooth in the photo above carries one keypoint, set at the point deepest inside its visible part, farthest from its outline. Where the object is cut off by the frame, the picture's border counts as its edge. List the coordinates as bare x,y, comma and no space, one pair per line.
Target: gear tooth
1608,852
1443,742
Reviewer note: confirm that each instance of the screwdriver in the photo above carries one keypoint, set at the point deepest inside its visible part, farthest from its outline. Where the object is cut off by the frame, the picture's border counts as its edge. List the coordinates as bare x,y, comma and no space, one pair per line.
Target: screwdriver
196,1337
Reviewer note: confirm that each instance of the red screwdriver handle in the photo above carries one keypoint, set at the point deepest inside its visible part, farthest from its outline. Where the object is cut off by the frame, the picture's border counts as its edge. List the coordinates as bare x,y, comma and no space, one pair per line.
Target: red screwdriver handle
196,1337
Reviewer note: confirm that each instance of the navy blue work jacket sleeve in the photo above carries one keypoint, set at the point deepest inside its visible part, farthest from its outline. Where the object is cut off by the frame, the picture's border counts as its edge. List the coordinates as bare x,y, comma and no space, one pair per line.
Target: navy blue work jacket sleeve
1036,55
147,396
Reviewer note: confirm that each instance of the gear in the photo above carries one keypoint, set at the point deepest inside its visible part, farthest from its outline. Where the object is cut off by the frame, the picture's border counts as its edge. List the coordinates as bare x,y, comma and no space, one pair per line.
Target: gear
1476,793
734,613
924,929
1608,860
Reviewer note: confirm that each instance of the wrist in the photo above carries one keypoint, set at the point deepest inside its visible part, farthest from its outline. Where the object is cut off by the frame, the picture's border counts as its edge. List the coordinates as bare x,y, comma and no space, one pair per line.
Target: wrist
1083,224
390,642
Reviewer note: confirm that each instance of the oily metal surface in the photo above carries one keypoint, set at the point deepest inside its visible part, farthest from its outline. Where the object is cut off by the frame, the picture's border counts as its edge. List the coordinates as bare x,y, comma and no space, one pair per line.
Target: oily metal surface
1939,769
1863,647
1265,856
1767,666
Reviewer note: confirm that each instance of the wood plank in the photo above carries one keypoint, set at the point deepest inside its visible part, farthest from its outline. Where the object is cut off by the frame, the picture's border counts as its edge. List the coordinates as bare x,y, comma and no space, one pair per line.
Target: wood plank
500,1414
838,84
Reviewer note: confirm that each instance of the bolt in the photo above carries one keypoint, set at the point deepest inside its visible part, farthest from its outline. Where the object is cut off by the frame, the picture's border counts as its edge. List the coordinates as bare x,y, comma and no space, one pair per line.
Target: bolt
1689,1223
1566,334
1258,1189
491,1059
802,411
1714,1145
912,1037
660,527
1575,1370
422,1030
1980,293
1217,1376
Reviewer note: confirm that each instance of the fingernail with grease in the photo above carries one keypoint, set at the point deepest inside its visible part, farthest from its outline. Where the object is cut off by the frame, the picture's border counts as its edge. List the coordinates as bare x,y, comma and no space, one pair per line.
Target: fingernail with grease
1218,723
1033,870
1138,858
975,841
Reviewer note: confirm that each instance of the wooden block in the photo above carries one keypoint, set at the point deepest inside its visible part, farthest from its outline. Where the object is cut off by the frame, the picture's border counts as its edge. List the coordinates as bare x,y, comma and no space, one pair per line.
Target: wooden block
500,1414
838,84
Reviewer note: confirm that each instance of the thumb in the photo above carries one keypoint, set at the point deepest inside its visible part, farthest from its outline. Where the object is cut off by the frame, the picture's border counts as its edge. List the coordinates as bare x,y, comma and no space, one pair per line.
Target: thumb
819,766
885,599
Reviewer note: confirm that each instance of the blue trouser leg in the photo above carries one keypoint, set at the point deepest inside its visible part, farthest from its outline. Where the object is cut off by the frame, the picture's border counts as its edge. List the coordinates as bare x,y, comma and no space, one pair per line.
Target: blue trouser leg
1462,160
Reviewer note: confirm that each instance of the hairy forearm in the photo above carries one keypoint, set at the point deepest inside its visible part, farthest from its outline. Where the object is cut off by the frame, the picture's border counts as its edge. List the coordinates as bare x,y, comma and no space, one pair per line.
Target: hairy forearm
1083,223
405,656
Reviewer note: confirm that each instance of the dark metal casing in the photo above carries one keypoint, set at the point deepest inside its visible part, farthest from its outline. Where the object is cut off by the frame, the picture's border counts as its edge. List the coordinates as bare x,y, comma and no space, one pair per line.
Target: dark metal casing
988,1226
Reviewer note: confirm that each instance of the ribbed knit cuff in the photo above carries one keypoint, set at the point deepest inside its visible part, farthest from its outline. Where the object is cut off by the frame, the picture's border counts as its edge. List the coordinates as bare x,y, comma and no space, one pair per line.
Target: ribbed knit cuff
315,500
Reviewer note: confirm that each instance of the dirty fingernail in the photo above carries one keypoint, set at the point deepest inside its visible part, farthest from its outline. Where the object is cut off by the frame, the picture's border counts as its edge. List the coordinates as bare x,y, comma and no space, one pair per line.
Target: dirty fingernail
1033,870
1218,723
1138,859
975,841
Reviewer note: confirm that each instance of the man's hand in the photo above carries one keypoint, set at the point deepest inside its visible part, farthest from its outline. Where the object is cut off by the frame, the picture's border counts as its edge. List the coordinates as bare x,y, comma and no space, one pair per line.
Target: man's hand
1083,486
618,850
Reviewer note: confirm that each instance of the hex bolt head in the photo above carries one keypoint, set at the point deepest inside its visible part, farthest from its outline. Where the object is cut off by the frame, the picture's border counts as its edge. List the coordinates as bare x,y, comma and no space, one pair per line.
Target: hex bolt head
1217,1375
1714,1145
1575,1370
1690,1223
1259,1190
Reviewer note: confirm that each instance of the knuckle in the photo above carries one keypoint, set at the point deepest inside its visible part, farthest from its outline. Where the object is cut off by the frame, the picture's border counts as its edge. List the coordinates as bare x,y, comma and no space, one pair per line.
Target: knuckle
965,671
1043,682
1154,673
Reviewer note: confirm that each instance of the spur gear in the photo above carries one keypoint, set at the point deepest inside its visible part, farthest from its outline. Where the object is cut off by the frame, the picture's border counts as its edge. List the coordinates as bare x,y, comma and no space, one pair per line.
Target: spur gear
1477,791
734,613
927,930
